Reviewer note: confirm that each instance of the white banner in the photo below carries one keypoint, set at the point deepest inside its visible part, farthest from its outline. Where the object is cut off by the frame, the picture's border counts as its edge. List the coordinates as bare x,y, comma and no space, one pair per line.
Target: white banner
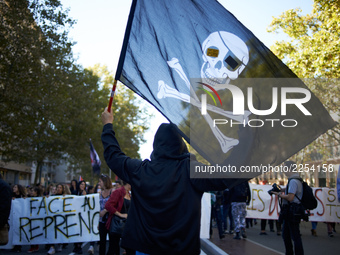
205,215
264,206
56,219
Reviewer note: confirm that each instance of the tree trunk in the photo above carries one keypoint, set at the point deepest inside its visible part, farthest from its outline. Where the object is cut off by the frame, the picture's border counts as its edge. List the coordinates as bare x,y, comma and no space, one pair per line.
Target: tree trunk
37,172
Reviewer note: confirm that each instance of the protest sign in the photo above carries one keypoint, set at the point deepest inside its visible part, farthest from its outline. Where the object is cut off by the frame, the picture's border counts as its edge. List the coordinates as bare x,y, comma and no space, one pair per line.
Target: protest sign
264,206
55,219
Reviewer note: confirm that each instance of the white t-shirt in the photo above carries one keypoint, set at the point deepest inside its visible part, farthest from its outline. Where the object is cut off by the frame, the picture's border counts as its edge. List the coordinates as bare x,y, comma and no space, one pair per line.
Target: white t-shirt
294,187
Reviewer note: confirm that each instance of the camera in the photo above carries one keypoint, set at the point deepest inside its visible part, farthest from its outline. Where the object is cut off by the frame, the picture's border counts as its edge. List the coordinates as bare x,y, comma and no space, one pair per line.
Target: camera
276,188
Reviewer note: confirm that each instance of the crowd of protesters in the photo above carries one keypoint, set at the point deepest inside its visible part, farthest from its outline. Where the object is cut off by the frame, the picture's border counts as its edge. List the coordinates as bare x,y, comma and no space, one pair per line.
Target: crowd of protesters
223,217
104,187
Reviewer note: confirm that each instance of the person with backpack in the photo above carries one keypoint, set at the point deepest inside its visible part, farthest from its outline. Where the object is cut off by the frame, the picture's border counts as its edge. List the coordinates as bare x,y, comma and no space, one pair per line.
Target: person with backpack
291,200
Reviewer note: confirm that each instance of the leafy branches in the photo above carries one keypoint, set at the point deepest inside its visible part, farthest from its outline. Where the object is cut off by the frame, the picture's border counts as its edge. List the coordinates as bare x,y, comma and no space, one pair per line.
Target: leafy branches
313,52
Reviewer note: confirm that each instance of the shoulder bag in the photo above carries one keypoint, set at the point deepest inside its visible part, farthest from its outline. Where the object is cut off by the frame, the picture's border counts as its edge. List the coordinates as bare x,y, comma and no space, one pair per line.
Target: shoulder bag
4,234
117,224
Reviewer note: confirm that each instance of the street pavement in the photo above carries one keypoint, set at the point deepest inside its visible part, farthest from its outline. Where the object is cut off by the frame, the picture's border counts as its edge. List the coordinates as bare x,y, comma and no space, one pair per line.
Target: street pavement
270,244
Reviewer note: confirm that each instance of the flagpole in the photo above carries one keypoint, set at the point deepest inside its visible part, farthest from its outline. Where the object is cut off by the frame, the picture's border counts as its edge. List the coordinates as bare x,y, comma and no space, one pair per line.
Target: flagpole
123,52
112,95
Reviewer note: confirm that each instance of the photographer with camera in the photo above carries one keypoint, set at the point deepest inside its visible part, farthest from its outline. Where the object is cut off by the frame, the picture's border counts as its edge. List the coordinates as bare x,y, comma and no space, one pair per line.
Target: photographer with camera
291,214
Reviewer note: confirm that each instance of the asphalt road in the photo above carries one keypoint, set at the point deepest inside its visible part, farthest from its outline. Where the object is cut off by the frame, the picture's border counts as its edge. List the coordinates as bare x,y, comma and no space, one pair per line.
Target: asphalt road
270,244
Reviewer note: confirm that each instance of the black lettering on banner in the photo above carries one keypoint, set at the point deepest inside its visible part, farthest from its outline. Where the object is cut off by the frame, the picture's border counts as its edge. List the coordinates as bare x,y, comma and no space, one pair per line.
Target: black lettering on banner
69,226
81,220
32,229
47,225
87,203
49,205
21,229
56,225
42,205
31,206
93,228
69,223
64,204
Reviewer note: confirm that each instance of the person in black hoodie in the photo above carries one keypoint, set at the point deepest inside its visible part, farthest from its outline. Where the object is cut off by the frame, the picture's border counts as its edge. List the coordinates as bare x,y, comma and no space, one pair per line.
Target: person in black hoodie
165,211
5,202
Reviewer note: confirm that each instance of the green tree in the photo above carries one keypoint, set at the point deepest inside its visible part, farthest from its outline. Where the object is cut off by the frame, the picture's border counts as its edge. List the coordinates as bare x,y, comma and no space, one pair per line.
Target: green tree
130,122
35,60
50,107
313,52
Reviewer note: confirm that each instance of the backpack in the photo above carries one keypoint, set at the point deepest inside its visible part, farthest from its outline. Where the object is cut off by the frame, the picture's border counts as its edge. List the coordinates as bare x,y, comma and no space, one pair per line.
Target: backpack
308,199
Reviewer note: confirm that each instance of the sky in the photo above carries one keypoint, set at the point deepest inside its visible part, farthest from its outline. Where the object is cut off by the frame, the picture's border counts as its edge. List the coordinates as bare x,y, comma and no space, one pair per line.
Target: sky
100,29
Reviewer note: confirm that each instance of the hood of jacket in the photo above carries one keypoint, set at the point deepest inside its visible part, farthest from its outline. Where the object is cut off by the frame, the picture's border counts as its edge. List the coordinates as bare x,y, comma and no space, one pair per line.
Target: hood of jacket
168,143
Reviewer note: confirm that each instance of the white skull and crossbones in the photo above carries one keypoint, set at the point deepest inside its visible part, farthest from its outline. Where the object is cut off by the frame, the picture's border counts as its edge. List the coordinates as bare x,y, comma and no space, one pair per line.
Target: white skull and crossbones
225,56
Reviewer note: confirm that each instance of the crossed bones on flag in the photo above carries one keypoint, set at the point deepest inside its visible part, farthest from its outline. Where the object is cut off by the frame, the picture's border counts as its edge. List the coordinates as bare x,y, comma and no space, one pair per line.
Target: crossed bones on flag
225,56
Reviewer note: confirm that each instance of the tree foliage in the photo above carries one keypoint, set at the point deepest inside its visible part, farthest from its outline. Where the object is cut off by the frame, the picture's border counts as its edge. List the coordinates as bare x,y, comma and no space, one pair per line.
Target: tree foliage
130,121
313,52
35,60
50,106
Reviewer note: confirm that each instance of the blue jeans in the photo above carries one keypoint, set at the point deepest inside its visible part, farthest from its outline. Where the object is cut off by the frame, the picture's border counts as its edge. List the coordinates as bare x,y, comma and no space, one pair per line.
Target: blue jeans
227,213
291,231
218,216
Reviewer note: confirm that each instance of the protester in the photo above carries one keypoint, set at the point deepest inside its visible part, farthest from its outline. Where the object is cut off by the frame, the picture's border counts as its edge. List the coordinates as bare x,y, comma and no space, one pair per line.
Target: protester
330,228
5,202
29,190
73,187
227,213
36,192
60,191
118,184
18,192
291,224
240,197
50,190
98,188
67,190
263,227
164,217
217,213
90,189
118,204
313,230
81,191
271,226
250,222
105,184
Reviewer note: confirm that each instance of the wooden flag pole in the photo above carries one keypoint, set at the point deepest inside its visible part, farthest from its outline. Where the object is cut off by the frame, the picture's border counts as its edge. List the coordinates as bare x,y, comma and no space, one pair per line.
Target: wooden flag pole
112,95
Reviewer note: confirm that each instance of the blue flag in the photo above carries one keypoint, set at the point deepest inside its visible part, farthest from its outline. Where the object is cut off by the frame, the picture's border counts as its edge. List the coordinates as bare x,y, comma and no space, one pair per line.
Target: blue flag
229,95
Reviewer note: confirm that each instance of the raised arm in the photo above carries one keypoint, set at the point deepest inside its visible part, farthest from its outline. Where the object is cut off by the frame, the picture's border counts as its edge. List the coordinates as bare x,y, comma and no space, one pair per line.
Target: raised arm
117,161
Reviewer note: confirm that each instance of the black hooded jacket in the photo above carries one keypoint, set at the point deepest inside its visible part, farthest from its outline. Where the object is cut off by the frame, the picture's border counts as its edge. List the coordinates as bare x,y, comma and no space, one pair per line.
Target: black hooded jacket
164,217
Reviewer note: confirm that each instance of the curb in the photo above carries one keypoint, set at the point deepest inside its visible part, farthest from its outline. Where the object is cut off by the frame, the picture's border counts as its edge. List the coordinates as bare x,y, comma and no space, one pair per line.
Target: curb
211,249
